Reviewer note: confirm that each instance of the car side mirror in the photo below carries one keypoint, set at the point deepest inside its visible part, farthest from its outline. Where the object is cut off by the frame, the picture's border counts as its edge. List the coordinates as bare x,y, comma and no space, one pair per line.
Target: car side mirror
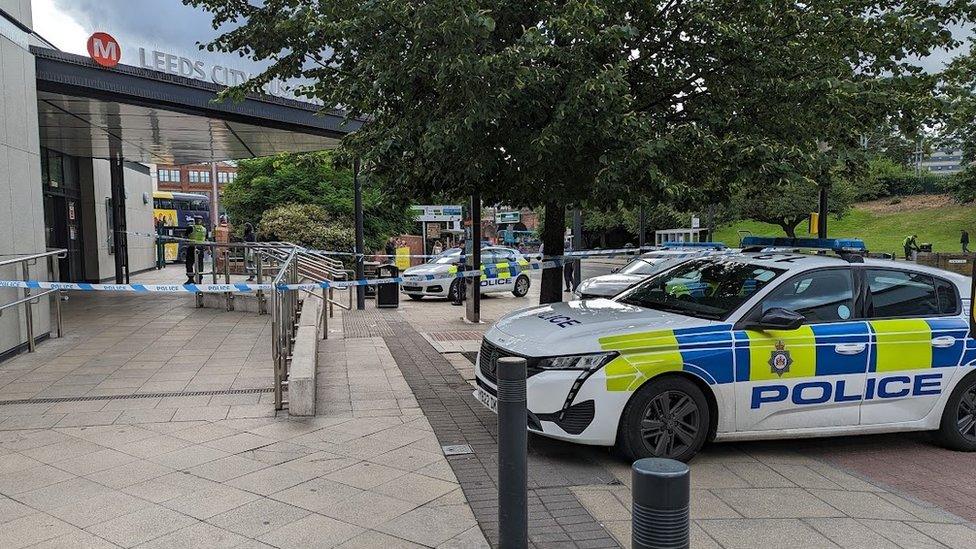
777,318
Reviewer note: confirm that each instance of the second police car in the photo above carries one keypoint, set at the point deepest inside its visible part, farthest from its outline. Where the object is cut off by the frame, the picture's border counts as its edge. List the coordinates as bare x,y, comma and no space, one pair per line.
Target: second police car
502,271
750,345
644,266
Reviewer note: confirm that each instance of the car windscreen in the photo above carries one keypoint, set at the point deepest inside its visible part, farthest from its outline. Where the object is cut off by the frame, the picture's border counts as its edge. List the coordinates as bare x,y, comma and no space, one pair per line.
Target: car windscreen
703,288
648,265
449,256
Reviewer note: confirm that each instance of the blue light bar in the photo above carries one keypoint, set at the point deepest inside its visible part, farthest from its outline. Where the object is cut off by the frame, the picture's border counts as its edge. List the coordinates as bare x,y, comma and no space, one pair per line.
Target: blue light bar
834,244
706,245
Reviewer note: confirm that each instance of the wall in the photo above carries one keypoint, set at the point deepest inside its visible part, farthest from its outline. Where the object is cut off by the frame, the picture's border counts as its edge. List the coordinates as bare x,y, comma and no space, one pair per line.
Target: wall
138,212
21,202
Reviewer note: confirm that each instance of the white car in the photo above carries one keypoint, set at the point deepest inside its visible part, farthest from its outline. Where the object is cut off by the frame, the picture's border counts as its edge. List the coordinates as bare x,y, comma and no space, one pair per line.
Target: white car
503,270
637,270
749,345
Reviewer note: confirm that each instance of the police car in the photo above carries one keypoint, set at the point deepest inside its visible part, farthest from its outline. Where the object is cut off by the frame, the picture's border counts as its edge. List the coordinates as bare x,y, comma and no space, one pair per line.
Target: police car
751,345
642,267
502,271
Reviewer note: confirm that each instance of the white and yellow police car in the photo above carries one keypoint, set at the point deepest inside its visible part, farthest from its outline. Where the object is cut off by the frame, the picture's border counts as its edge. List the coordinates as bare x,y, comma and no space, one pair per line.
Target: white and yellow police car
503,270
643,266
752,345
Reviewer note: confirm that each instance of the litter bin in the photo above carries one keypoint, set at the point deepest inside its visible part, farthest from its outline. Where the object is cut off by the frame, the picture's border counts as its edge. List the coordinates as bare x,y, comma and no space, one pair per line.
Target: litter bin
387,295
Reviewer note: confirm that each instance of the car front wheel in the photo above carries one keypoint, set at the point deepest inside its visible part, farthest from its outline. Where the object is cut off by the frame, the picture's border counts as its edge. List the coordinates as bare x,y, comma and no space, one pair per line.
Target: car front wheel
521,286
666,418
958,428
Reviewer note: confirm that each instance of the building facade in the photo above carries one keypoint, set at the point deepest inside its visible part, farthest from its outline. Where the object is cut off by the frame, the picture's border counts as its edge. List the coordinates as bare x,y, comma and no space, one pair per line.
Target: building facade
79,136
943,162
195,178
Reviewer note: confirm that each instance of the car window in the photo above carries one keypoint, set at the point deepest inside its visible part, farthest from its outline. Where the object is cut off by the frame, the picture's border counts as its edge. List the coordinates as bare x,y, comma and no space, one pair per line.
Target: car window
703,288
902,294
948,298
820,296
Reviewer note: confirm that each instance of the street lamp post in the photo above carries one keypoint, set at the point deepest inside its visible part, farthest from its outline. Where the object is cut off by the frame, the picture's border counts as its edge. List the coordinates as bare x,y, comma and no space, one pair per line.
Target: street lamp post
360,245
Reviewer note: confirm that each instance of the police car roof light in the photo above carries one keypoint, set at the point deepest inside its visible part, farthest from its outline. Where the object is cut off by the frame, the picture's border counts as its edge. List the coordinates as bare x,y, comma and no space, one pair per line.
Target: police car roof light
706,245
848,248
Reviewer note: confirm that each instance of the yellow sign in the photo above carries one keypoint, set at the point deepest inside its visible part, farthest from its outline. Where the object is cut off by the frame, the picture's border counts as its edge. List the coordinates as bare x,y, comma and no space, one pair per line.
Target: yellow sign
402,258
814,227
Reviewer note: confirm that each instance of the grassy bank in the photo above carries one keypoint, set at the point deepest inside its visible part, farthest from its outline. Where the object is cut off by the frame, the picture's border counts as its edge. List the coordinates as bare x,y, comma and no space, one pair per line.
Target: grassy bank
883,226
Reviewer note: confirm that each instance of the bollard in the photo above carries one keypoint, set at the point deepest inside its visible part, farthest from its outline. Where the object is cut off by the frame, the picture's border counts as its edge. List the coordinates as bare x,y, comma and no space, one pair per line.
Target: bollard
661,492
513,511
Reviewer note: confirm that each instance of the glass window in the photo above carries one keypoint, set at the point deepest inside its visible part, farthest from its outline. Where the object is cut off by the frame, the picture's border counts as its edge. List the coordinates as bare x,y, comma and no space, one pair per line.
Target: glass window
704,288
55,169
205,177
948,298
194,177
820,296
901,294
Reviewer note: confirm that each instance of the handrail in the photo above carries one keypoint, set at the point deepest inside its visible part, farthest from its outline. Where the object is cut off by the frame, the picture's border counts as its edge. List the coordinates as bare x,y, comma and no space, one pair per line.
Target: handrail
61,253
29,298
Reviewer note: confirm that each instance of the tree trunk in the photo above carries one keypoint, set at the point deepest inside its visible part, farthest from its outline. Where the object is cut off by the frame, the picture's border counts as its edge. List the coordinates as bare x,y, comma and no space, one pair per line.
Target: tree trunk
790,229
553,233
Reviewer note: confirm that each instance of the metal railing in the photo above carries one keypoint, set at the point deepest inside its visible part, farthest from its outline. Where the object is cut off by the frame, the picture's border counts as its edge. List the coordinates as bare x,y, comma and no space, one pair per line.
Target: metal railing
30,297
295,266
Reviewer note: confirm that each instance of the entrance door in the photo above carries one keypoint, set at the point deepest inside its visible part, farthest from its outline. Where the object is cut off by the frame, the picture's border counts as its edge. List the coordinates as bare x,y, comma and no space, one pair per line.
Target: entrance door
810,377
62,217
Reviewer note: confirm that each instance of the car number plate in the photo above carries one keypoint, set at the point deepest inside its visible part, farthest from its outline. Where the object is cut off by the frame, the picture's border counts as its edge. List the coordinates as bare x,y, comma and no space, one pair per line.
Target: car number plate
487,399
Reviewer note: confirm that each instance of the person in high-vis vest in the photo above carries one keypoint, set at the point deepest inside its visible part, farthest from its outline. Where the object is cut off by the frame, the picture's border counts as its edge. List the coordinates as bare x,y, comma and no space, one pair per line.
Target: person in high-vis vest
195,233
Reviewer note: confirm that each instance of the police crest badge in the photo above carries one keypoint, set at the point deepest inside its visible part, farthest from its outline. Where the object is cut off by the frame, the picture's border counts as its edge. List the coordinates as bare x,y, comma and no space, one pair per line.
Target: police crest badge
780,359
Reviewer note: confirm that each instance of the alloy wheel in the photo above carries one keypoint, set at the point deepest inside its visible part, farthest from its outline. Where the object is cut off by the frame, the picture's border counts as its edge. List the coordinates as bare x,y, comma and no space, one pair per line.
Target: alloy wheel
966,414
670,424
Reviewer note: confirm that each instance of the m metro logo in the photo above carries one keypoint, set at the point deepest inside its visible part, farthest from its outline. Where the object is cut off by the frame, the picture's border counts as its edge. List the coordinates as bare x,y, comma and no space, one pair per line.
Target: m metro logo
104,50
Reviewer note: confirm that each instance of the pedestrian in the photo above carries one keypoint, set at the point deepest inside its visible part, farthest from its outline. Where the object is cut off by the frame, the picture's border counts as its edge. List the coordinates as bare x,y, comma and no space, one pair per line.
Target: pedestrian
195,233
569,269
438,248
460,286
390,249
249,238
964,240
911,245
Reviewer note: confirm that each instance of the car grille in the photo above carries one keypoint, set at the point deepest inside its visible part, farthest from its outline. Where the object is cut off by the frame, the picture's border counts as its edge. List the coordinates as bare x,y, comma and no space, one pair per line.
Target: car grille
488,361
575,419
412,288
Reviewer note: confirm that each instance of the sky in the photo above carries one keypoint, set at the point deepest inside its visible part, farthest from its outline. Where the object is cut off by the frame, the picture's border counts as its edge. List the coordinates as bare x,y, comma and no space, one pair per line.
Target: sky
163,25
169,26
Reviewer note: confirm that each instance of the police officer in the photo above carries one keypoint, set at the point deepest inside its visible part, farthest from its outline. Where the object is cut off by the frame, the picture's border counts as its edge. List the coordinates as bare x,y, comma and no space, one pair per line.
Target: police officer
195,233
460,288
569,268
910,244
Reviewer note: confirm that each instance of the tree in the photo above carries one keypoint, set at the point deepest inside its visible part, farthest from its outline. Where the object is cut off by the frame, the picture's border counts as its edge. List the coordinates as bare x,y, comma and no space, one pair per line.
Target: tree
263,184
553,102
791,204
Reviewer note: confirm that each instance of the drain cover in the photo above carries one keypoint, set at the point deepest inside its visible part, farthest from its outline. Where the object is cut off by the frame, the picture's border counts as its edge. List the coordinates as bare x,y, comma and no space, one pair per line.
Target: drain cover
457,449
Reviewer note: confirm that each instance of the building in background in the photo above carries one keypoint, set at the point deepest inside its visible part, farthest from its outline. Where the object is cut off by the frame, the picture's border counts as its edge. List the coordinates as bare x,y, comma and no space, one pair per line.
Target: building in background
197,179
942,162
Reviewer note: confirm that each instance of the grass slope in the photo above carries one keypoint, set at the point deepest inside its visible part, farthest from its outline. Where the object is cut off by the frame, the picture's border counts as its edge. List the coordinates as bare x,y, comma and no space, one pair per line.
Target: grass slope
883,226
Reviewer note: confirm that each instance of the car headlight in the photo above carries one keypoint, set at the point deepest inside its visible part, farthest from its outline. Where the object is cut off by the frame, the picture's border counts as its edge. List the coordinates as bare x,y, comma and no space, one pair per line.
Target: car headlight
591,362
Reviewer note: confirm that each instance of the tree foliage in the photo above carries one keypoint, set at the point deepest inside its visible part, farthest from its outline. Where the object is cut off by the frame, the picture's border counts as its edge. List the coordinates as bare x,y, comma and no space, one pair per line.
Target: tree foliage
263,184
553,102
308,225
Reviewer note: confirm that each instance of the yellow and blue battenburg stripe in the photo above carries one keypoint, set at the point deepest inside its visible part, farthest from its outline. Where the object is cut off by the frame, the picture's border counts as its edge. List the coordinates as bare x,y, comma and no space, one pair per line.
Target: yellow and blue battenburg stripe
719,355
705,351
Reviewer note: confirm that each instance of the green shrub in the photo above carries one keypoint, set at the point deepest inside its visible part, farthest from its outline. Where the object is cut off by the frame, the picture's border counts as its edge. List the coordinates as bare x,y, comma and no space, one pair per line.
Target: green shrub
308,225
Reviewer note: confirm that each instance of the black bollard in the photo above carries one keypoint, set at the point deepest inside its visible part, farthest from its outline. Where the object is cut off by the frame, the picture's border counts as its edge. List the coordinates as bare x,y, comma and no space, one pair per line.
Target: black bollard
513,511
661,496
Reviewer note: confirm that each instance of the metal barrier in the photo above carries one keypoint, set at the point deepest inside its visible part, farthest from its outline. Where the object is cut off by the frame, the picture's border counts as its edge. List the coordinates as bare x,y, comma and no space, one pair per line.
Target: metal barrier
31,298
293,267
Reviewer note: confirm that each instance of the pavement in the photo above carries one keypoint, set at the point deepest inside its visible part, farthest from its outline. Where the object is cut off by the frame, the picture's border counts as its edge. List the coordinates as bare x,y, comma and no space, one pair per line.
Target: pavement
150,424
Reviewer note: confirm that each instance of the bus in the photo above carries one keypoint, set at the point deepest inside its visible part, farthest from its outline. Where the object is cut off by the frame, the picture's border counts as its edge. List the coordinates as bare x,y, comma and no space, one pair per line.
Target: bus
171,209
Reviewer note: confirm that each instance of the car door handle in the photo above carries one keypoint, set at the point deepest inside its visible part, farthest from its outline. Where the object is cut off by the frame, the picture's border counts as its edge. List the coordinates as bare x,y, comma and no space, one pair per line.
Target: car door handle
849,348
943,342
